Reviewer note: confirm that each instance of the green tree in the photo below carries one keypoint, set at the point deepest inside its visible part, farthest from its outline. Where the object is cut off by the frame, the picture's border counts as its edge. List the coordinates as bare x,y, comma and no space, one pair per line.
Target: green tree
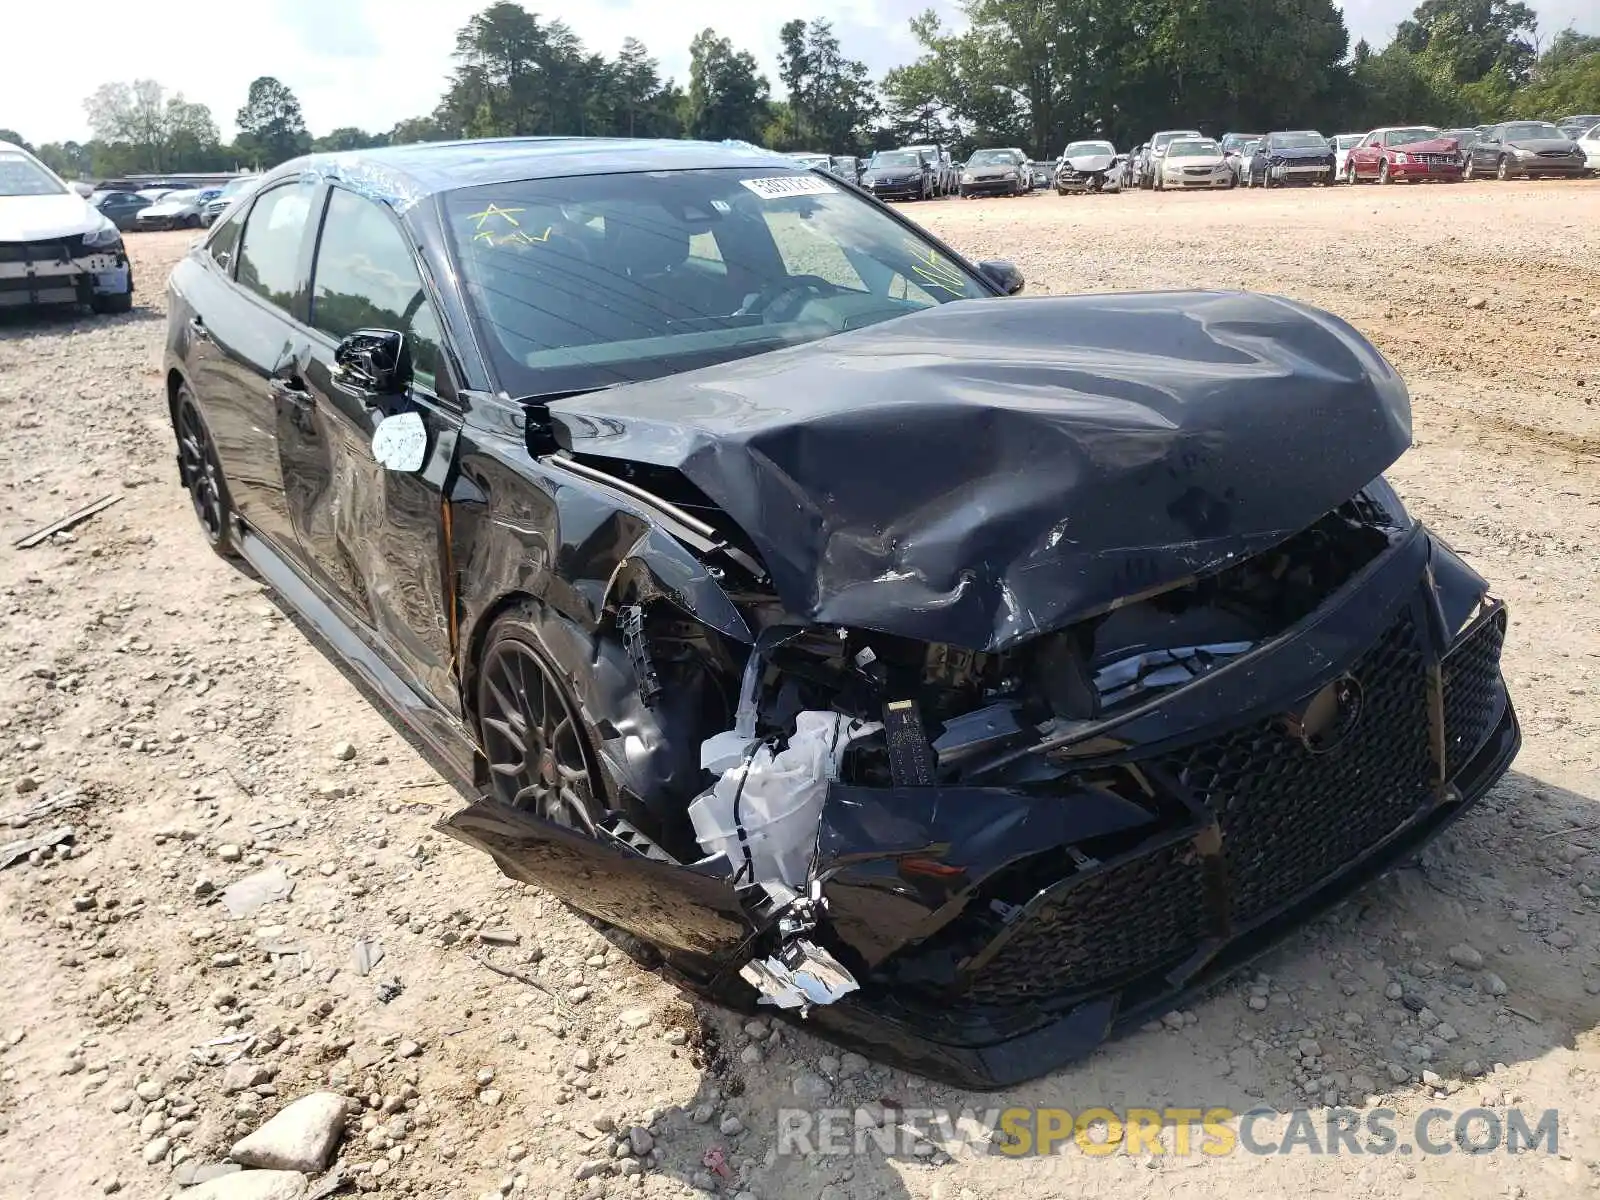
728,95
348,137
1474,37
16,139
517,75
1565,80
417,129
831,102
272,129
139,128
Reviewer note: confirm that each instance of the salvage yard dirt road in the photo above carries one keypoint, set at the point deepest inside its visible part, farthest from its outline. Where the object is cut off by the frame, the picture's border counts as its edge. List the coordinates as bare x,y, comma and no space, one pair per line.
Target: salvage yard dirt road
163,705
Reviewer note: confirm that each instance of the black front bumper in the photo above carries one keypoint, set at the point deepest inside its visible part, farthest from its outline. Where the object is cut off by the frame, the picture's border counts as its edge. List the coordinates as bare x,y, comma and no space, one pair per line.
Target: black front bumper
1279,833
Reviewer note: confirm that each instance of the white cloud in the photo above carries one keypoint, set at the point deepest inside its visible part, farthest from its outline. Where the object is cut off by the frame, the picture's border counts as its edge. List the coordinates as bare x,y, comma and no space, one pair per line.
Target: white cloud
370,63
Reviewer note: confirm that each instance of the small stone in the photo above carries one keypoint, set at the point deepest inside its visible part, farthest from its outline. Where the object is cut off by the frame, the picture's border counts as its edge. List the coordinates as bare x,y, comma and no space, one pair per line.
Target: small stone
1466,956
1561,939
634,1018
1398,1073
1431,1078
750,1055
1477,302
1173,1020
1309,1048
1494,985
640,1139
583,1059
731,1125
485,1076
156,1150
1393,991
830,1192
229,1183
408,1049
489,1097
344,751
1363,1085
1445,1032
230,852
149,1090
120,1102
851,1065
1257,1003
808,1085
242,1076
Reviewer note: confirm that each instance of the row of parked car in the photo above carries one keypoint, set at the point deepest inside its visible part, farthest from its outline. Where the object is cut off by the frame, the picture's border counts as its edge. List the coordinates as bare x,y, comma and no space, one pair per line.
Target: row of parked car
1186,158
168,205
928,172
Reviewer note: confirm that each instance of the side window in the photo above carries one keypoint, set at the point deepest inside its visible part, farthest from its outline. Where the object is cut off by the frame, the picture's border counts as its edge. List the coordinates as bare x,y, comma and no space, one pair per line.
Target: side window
223,244
366,278
269,248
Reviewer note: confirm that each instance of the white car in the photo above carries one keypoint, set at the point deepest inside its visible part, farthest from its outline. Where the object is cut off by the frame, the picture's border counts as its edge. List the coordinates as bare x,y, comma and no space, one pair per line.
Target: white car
56,247
1343,143
1193,163
1589,143
178,210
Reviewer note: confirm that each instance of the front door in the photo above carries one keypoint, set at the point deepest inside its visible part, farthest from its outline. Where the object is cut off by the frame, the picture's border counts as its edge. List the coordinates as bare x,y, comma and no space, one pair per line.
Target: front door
374,534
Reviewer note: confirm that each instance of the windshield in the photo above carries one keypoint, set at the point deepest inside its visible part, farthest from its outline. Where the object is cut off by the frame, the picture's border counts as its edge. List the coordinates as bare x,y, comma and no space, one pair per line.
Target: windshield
993,158
21,176
1405,137
1533,131
1191,148
1297,141
587,281
896,158
234,186
1159,142
180,198
1346,140
1081,149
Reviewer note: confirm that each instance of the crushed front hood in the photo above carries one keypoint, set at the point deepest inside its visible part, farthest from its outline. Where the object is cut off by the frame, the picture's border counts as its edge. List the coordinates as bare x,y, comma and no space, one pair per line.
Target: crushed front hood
1089,163
986,470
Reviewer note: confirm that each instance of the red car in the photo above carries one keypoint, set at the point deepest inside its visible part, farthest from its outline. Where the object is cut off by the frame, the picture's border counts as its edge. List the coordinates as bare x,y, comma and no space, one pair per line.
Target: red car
1411,153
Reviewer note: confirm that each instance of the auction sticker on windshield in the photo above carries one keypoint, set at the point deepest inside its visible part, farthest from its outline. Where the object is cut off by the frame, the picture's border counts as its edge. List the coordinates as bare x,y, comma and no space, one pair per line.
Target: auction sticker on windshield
789,185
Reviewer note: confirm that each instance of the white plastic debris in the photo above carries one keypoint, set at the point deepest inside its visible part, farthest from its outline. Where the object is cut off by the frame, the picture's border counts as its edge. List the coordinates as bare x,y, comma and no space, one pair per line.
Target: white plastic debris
763,812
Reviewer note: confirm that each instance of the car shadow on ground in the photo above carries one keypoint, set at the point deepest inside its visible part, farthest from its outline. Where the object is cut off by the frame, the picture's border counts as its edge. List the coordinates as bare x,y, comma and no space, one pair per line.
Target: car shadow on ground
18,324
1495,881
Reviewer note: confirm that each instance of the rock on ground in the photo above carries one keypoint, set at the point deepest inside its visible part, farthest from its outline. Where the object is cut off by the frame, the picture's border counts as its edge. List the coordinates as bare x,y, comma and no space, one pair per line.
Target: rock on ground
250,1185
302,1137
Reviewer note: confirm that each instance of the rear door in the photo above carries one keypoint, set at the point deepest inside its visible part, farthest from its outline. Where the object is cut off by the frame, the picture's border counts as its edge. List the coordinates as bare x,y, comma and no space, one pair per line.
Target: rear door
375,536
241,334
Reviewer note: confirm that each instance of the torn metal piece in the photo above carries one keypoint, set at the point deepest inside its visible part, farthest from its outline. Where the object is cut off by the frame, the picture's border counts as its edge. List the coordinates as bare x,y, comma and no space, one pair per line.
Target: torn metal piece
45,806
244,896
801,975
29,540
631,622
986,729
14,852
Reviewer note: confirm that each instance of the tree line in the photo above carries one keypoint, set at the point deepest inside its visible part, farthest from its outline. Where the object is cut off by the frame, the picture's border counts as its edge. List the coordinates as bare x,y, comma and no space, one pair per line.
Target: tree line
1028,73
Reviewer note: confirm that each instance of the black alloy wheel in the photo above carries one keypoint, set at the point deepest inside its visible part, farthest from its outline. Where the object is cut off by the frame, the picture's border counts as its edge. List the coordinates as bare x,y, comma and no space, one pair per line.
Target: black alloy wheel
201,474
533,737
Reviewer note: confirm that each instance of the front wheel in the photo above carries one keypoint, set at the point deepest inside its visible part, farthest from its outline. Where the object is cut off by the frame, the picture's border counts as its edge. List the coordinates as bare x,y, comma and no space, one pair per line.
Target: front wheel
1502,170
1383,172
1266,178
201,474
540,755
1350,174
1468,171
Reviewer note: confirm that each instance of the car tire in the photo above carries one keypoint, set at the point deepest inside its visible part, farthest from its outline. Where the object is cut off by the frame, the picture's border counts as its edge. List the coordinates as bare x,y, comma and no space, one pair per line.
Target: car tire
1502,169
1468,171
200,472
1350,175
540,753
1266,178
113,305
1383,171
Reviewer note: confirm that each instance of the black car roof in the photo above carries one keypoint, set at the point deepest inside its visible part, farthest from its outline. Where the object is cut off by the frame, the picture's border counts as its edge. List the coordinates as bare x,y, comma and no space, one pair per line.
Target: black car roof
402,175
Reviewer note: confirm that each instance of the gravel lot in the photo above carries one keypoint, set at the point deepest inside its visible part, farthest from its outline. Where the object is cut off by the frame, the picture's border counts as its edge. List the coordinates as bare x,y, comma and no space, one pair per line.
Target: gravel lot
193,737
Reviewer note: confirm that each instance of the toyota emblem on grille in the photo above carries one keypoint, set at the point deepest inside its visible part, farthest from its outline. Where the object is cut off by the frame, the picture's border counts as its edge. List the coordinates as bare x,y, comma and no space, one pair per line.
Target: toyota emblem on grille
1329,716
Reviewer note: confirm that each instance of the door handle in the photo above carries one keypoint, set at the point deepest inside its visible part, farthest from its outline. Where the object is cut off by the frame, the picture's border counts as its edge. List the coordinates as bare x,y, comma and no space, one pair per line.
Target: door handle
198,329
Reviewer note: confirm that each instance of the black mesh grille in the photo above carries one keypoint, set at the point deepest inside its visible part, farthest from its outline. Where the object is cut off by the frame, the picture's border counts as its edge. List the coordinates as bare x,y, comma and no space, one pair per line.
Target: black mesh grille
1291,818
1097,929
1473,692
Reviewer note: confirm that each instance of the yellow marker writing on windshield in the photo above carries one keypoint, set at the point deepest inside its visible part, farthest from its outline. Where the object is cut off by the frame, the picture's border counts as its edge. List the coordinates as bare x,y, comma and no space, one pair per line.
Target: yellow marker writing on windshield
494,210
935,272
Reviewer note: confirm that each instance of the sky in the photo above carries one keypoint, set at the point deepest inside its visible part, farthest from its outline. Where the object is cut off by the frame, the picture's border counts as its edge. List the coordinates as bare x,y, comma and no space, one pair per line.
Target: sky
371,63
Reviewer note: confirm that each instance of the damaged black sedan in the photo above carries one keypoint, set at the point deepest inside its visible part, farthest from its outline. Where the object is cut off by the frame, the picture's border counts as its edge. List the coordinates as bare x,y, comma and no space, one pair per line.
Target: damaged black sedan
972,675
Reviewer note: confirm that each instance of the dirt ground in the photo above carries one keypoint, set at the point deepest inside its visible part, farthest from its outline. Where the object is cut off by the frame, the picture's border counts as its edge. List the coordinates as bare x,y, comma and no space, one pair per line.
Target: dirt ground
164,706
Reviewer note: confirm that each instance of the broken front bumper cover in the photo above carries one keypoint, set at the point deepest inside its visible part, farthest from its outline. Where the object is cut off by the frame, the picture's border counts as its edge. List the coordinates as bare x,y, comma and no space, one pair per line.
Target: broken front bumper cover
50,273
996,933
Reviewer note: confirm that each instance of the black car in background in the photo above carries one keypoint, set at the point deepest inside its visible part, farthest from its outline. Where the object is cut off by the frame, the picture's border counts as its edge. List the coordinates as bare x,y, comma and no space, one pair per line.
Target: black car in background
901,175
120,208
585,454
1526,149
1301,156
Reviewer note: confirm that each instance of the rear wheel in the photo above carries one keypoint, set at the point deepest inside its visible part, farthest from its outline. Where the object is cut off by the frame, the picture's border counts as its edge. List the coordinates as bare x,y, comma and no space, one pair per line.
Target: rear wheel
540,755
201,474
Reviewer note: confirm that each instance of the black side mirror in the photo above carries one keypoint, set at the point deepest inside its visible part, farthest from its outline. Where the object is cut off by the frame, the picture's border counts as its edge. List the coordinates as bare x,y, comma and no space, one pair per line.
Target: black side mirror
375,362
1003,274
